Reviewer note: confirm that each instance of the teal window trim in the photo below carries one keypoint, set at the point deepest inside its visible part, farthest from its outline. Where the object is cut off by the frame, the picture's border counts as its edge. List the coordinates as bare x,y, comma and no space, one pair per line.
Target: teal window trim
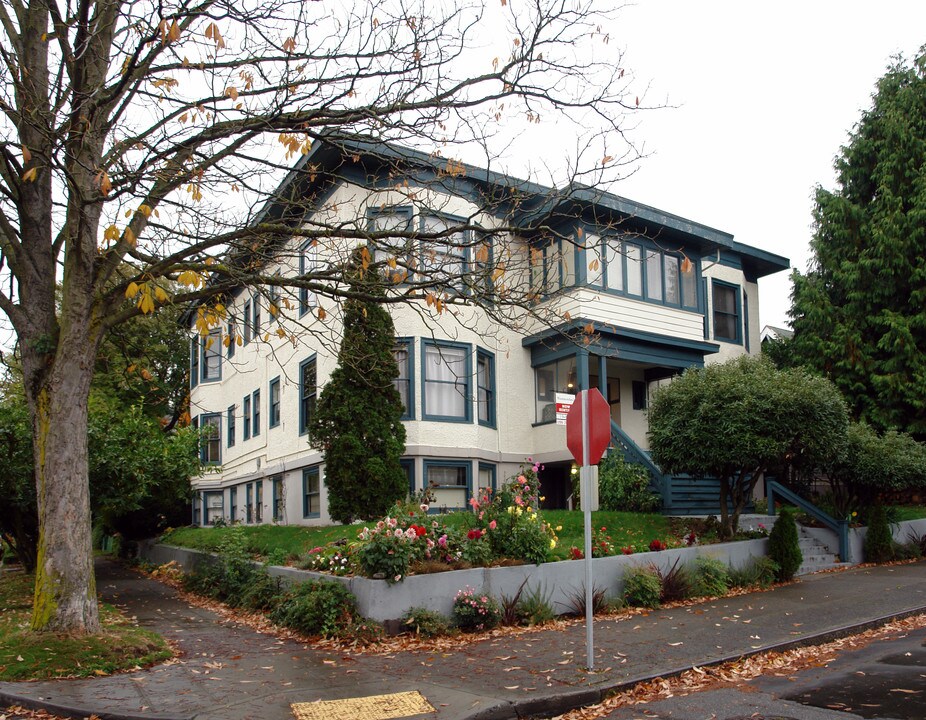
210,446
232,337
311,487
408,465
255,410
207,520
408,344
211,346
307,396
379,249
493,469
273,399
745,319
273,302
466,381
249,503
737,315
278,491
484,357
539,416
248,320
246,417
232,504
259,501
456,282
304,250
194,361
428,464
256,310
230,429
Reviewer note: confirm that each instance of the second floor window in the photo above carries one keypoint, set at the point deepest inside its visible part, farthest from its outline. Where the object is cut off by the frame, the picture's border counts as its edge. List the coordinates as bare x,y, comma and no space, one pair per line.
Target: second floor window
308,389
447,382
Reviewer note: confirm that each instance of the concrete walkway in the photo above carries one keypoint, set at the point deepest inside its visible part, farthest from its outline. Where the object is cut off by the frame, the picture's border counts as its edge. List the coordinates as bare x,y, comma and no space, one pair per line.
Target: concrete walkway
232,672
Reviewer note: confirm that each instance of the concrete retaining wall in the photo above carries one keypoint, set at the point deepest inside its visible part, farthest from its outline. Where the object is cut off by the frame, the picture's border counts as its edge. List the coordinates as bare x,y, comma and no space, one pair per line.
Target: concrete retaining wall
558,581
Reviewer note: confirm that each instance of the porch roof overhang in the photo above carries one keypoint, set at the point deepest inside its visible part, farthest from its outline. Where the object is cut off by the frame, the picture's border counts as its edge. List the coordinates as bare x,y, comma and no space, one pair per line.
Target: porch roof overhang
636,346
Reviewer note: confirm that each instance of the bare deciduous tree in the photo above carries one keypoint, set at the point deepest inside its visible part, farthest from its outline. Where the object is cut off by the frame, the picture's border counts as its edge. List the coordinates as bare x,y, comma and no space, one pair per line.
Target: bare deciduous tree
144,141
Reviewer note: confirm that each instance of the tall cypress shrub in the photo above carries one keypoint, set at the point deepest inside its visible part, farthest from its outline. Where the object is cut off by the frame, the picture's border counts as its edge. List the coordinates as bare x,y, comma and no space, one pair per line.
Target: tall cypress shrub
357,421
784,547
879,543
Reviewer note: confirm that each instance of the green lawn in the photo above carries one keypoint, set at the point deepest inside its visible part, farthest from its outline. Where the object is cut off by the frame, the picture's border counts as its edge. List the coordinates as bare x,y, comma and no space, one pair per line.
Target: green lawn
29,656
624,528
899,513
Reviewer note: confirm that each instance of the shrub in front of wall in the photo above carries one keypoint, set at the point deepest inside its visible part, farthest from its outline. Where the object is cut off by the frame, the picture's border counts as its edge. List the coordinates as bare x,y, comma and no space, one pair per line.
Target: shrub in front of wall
642,586
675,582
263,594
317,607
879,543
426,623
475,611
711,577
783,546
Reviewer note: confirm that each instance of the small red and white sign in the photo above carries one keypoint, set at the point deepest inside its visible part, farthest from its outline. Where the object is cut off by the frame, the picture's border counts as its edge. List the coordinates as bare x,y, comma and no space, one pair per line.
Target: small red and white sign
563,402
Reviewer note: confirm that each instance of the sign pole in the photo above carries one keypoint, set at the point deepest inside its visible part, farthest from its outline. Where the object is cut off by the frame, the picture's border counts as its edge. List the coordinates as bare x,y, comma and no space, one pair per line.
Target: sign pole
586,485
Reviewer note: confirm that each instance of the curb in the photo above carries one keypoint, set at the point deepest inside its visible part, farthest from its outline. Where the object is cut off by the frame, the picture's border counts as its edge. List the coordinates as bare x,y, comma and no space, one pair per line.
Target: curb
69,711
558,704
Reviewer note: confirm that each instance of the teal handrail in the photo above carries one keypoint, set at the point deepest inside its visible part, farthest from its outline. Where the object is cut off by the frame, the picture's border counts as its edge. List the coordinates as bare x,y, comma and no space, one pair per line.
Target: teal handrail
634,455
840,527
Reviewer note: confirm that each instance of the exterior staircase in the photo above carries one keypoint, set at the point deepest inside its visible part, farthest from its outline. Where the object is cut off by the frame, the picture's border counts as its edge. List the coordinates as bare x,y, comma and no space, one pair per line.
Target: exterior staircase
819,547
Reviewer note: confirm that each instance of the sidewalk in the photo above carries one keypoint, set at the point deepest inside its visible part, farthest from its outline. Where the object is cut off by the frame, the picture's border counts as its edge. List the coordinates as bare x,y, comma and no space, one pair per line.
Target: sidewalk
233,672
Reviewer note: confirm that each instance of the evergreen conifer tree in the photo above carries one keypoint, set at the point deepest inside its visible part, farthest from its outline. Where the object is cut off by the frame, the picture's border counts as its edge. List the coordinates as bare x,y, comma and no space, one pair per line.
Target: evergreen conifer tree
784,546
858,313
879,544
357,421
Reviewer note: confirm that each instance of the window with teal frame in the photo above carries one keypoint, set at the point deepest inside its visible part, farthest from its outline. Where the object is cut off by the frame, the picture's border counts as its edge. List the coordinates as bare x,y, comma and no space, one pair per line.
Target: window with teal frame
311,492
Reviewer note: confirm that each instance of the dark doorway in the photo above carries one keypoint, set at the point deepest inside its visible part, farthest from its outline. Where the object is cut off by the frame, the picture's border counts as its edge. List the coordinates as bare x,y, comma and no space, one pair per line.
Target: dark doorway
555,486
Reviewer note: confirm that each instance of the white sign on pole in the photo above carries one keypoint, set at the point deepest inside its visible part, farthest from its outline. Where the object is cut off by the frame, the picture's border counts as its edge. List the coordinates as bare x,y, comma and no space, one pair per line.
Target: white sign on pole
563,402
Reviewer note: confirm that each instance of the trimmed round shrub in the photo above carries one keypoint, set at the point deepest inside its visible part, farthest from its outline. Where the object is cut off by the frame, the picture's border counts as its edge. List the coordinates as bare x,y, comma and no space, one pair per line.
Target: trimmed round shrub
879,543
642,586
783,546
317,607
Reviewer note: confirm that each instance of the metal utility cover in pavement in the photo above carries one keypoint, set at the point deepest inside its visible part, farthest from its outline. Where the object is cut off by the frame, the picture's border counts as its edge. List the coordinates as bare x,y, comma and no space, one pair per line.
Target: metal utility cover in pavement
372,707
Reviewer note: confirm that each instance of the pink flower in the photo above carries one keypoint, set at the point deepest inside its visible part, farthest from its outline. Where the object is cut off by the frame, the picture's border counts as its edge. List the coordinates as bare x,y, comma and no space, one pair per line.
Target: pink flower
442,541
522,479
492,525
398,532
474,502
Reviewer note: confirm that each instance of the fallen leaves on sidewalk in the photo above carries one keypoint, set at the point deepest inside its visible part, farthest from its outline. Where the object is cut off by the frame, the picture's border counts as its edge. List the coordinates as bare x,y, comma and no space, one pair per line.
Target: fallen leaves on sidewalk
735,673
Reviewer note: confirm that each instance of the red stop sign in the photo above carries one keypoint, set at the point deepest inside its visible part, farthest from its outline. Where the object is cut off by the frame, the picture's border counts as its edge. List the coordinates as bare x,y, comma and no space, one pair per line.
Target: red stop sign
599,426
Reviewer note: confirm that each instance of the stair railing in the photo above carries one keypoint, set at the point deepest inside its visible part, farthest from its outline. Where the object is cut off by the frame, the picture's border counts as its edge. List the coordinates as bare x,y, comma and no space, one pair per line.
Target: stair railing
634,455
840,527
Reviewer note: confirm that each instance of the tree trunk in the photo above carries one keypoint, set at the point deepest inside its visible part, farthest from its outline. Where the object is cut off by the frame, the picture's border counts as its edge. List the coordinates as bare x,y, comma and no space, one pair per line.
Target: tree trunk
725,530
65,586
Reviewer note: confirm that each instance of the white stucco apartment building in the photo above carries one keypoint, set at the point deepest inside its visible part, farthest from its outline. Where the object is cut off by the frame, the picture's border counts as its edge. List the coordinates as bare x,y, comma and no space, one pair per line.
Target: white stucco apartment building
479,395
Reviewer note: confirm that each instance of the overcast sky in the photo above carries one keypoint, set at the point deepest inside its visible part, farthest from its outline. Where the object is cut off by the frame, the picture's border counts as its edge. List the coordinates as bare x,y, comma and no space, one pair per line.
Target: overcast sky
766,94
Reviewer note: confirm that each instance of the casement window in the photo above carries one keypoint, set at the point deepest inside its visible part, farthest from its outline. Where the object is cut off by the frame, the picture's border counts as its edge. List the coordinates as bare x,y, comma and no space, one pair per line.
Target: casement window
248,320
259,501
485,388
487,477
725,299
233,505
246,417
308,391
443,259
552,267
308,257
230,429
273,302
274,403
212,356
408,467
194,361
255,326
249,503
394,255
449,481
653,274
232,337
214,503
255,409
276,483
447,380
549,379
403,353
311,492
210,444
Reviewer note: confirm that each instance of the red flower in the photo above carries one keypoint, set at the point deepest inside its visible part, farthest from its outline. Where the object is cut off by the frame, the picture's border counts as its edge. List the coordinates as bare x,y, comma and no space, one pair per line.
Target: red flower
657,545
474,534
576,553
627,550
419,530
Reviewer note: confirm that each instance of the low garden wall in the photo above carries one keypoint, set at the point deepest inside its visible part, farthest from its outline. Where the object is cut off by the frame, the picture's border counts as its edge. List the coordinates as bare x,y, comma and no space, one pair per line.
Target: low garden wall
558,581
